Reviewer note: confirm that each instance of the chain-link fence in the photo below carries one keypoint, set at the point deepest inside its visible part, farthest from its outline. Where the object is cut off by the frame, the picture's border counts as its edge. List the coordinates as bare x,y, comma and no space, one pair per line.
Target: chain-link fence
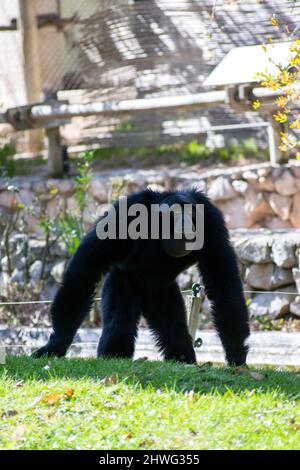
117,49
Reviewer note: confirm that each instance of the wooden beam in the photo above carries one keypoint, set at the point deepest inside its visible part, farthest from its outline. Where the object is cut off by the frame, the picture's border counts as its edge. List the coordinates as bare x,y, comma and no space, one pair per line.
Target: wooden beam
55,153
47,19
210,99
31,64
274,135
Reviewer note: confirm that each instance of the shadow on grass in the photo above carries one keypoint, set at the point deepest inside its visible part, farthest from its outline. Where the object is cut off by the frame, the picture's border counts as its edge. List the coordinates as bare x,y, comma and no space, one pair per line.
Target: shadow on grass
156,374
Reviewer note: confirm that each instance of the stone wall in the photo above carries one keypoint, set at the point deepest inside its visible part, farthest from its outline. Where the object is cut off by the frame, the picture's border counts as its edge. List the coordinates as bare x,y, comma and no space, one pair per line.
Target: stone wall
261,203
254,196
269,263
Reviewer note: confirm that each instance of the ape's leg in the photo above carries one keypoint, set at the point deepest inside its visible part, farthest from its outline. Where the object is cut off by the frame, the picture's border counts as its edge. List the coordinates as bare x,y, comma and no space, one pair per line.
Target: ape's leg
120,314
165,313
218,266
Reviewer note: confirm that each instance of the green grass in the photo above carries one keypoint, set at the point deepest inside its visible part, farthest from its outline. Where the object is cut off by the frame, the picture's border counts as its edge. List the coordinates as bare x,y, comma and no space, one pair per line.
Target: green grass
119,404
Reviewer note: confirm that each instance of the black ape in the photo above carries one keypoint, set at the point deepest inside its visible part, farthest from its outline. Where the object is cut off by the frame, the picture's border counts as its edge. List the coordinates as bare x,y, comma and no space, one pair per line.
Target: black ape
140,279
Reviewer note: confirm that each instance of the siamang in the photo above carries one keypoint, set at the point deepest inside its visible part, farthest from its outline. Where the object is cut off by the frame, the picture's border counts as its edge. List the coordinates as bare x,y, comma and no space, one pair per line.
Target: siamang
140,279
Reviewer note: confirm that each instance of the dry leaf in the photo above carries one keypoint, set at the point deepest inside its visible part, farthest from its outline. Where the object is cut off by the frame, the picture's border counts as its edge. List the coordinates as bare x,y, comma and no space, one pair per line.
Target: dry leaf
8,413
241,370
110,380
52,398
191,395
141,359
257,375
204,366
69,393
19,432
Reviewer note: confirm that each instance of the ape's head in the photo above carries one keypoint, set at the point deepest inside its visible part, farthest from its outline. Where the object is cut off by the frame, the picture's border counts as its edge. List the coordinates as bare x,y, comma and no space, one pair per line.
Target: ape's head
177,213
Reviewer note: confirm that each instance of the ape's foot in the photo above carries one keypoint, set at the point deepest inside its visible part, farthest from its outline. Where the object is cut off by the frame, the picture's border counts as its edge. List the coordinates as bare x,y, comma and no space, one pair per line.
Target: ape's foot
188,357
237,359
46,351
51,349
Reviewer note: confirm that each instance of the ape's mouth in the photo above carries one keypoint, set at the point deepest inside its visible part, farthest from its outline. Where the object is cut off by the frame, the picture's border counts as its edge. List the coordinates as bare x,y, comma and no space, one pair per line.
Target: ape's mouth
175,247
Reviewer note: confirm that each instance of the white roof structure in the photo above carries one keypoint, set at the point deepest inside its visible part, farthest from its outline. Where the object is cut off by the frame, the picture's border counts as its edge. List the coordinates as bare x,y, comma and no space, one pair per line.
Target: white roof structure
241,64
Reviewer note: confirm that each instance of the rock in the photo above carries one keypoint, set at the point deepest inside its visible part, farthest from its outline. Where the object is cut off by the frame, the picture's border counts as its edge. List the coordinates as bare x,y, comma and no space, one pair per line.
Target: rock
20,262
275,223
40,187
272,305
221,189
295,307
35,249
4,284
240,186
71,204
281,205
18,277
296,171
296,275
99,191
283,252
256,206
256,250
266,184
187,278
59,249
286,184
64,186
49,291
90,214
277,171
58,270
26,197
250,176
268,276
54,208
7,199
4,264
295,212
263,172
33,225
234,213
35,271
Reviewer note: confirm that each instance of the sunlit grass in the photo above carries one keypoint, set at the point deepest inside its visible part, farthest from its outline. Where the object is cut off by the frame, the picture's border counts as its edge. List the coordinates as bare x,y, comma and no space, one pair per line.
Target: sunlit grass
120,404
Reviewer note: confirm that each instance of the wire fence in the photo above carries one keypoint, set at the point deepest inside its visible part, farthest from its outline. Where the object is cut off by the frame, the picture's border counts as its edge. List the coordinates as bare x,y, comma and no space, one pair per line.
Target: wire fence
116,49
187,291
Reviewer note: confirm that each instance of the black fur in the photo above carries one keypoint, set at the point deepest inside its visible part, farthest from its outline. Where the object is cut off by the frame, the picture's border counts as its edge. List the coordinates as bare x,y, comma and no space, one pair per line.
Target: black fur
140,279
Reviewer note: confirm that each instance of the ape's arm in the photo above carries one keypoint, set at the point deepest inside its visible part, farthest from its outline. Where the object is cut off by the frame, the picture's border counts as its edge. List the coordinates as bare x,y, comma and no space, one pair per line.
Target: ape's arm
76,295
218,266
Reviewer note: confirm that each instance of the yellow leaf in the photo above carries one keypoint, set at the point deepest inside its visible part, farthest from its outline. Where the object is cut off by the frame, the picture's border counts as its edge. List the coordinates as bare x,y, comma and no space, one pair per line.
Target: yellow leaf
280,116
295,124
256,104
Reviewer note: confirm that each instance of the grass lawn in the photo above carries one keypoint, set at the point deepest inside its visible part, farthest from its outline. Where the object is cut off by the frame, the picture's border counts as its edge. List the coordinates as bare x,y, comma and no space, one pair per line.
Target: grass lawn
120,404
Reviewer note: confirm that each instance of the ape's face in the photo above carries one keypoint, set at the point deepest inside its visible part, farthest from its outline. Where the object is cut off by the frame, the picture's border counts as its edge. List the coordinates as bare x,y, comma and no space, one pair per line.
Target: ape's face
181,224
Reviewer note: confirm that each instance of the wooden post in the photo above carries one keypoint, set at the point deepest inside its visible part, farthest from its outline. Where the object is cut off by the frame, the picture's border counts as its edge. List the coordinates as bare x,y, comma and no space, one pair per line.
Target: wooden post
27,26
196,304
274,135
55,152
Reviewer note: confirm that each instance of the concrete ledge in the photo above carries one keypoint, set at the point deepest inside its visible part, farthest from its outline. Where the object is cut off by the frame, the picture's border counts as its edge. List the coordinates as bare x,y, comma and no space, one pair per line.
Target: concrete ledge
275,348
